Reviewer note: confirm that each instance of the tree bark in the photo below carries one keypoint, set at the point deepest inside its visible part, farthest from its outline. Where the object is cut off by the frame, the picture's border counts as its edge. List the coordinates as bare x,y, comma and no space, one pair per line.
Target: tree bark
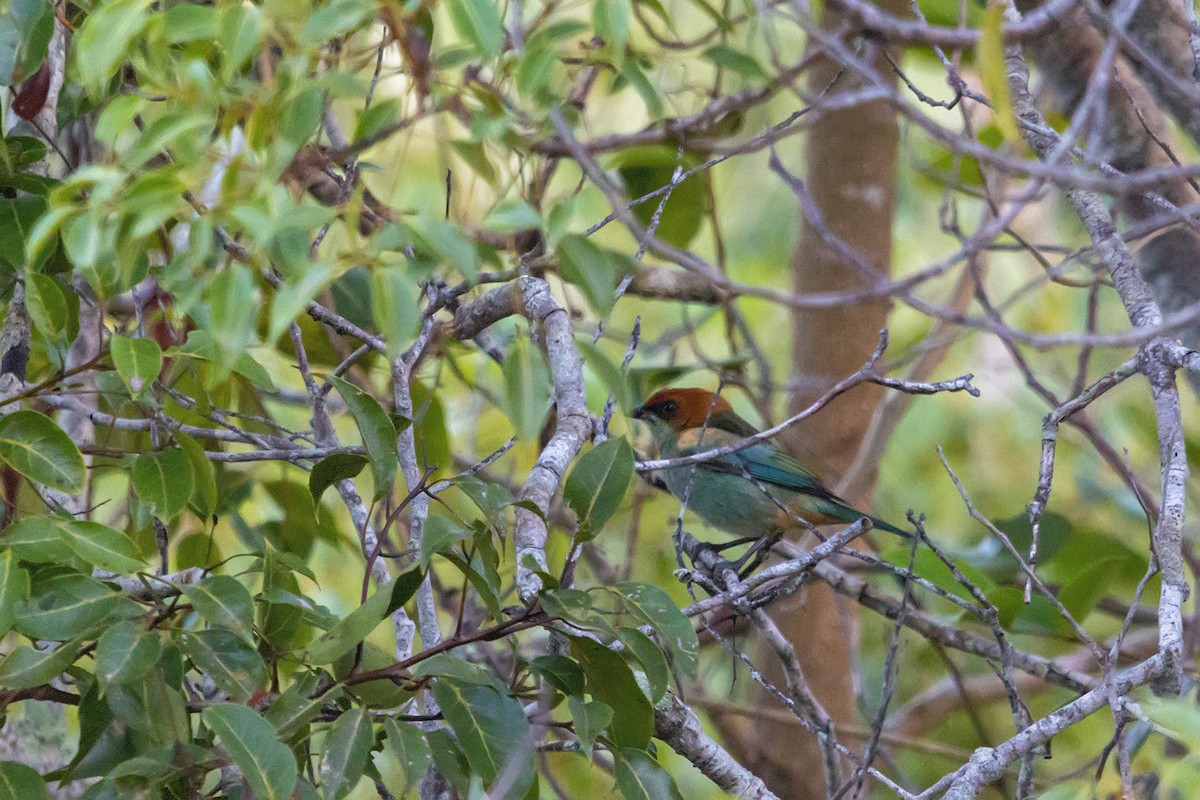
851,158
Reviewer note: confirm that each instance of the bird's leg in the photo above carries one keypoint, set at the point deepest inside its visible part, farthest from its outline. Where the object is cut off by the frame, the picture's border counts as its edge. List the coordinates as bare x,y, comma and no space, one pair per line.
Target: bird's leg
758,552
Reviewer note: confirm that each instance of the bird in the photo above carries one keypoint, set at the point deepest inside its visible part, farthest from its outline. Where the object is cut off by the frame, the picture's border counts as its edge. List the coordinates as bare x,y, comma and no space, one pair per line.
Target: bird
756,493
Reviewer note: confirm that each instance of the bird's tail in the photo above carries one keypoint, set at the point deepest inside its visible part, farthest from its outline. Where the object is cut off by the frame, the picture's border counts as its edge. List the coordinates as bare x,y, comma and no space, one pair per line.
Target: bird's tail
887,526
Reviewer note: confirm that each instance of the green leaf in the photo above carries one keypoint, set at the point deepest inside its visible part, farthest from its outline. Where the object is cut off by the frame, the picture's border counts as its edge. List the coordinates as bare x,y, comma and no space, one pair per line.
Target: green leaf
47,305
164,481
610,680
640,777
611,19
101,42
590,268
407,743
511,216
735,60
378,433
204,493
267,764
224,603
445,239
526,388
25,667
126,652
38,540
347,746
654,607
21,782
34,446
138,361
233,311
64,606
490,498
492,731
560,672
352,629
394,308
228,659
14,588
651,658
598,483
100,545
479,23
440,533
299,704
989,58
590,718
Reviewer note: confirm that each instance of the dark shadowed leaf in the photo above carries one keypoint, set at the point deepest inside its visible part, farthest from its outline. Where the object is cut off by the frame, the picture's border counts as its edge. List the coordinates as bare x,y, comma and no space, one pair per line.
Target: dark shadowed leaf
334,468
560,672
440,534
14,587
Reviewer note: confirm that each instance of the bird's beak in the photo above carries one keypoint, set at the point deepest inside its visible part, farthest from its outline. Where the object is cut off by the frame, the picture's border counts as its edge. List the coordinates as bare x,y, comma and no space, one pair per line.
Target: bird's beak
641,413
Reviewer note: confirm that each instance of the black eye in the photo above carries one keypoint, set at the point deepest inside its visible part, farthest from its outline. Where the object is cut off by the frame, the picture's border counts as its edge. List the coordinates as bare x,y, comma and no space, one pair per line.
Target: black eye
669,408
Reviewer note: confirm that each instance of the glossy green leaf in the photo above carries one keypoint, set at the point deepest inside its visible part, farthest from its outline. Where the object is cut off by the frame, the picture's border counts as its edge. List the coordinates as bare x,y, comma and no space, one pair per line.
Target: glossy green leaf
127,651
650,657
347,746
26,667
560,672
598,482
224,603
47,305
440,533
228,659
492,731
267,763
378,433
407,743
610,680
591,718
100,545
299,704
34,446
654,607
138,361
640,777
64,606
355,626
14,588
164,481
21,782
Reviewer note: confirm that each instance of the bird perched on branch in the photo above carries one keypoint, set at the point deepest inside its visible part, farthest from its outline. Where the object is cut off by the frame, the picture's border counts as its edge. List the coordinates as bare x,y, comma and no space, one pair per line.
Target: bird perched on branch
756,493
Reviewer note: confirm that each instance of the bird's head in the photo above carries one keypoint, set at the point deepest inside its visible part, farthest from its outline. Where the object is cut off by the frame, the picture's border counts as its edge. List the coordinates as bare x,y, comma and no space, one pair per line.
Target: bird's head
681,409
